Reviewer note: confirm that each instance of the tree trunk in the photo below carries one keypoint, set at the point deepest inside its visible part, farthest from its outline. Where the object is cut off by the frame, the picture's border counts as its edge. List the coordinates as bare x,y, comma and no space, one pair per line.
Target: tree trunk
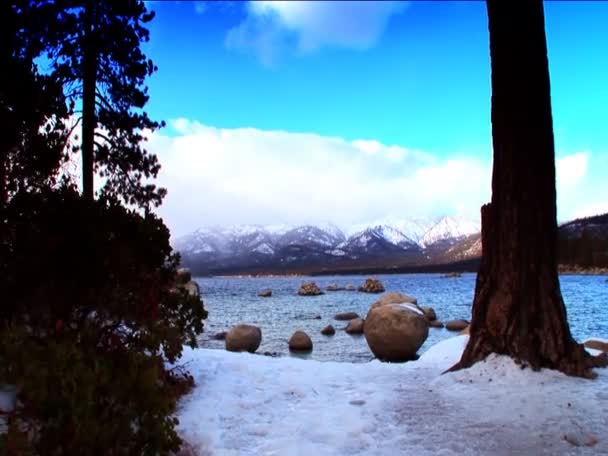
89,82
518,308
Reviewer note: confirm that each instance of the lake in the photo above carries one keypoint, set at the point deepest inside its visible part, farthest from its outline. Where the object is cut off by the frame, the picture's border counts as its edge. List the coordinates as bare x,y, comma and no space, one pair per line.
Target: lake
232,300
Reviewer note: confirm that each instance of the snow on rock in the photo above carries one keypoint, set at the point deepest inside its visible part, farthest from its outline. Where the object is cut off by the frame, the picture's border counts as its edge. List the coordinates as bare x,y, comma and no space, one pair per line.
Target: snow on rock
247,404
264,248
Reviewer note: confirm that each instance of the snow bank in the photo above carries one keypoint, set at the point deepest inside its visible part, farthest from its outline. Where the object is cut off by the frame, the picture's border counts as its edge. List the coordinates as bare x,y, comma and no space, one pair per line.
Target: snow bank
255,405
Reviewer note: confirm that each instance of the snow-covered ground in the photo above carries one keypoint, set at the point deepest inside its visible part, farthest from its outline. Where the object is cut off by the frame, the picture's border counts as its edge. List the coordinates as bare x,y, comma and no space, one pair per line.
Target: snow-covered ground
247,404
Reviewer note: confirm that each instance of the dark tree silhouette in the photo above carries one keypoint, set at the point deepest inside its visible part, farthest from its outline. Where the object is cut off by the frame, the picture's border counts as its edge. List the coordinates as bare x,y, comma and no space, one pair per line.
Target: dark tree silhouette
518,308
32,107
97,55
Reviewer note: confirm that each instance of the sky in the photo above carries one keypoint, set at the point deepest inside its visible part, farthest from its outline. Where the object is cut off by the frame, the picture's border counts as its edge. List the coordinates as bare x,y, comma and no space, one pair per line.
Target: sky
350,112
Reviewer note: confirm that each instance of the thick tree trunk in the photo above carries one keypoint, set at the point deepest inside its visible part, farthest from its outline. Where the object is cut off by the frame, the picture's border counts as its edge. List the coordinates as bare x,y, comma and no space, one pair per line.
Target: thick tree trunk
518,308
89,82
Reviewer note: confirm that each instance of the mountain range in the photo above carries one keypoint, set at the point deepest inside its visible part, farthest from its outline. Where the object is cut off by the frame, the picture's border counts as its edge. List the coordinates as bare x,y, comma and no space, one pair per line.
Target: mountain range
316,248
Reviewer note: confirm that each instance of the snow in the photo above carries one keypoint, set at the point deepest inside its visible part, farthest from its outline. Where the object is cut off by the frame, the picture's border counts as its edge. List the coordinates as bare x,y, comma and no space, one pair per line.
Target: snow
336,252
247,404
450,227
264,249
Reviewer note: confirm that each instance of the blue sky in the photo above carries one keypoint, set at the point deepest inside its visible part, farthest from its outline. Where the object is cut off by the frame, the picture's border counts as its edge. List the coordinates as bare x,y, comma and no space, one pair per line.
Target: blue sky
413,77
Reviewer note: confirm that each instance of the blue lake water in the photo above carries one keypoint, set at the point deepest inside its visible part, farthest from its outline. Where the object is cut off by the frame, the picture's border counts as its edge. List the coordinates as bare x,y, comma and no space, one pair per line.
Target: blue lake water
232,300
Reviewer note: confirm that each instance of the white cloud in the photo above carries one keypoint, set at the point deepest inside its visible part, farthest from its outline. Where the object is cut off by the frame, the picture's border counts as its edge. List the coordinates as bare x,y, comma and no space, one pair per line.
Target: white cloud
245,175
273,28
571,170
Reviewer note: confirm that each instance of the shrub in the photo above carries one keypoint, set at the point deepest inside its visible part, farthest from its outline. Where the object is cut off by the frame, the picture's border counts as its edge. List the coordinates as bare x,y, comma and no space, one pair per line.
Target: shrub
91,313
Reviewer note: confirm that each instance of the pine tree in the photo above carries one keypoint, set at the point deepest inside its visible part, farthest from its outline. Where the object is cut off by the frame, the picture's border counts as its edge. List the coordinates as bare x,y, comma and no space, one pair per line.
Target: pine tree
96,53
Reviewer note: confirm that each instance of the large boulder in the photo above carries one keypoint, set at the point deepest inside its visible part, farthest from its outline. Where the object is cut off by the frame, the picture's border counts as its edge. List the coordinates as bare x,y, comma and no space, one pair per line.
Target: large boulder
456,325
395,298
395,332
355,326
343,316
300,341
329,330
372,286
267,293
243,338
309,289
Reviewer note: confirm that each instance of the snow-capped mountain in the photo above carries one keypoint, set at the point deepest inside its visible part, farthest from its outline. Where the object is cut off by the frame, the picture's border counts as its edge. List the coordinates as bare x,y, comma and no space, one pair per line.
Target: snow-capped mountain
449,229
273,246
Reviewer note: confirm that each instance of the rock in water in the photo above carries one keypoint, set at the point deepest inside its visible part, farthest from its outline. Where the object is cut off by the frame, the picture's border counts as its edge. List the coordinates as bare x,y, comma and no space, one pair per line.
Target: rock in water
355,326
309,289
329,330
265,293
429,313
244,338
456,325
395,332
346,316
436,324
334,287
596,344
300,341
221,335
395,298
372,286
351,287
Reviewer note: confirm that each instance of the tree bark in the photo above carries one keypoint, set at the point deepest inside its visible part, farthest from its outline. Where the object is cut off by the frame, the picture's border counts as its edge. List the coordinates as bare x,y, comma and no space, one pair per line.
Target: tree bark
89,121
518,309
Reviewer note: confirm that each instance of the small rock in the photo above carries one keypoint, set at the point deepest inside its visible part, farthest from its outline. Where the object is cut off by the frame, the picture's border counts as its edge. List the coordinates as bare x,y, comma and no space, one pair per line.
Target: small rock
300,341
357,402
317,317
351,287
346,316
221,335
372,286
329,330
596,345
429,313
267,293
309,289
456,325
334,287
244,338
436,324
355,326
451,275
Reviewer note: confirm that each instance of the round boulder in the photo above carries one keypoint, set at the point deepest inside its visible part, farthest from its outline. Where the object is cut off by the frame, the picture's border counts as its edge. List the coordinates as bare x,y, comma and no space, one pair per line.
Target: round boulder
243,338
267,293
372,286
309,289
456,325
300,341
355,326
395,332
395,298
329,330
343,316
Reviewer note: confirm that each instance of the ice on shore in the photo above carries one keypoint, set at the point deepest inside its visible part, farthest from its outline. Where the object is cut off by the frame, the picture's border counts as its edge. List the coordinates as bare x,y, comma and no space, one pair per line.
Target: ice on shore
247,404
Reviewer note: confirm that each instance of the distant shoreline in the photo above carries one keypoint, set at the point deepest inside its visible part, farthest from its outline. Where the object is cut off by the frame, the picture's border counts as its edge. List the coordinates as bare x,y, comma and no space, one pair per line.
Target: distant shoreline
462,267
